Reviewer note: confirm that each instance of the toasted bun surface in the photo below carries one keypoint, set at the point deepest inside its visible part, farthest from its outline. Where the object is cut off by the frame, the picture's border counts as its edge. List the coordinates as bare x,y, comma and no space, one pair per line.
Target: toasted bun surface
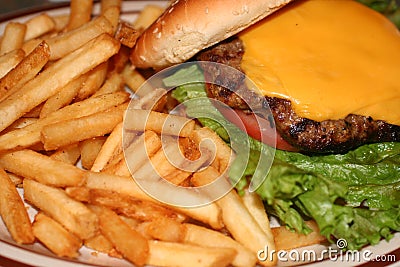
188,26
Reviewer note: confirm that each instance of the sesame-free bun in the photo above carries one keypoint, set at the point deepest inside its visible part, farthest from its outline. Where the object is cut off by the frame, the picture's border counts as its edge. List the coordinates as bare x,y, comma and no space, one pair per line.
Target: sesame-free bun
188,26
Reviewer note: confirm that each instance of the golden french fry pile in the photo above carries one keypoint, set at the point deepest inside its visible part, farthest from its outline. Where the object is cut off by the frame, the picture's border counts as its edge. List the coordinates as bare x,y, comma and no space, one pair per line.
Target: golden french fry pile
62,101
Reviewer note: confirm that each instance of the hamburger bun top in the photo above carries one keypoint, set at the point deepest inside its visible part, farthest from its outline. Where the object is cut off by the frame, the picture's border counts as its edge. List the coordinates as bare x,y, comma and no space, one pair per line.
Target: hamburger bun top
188,26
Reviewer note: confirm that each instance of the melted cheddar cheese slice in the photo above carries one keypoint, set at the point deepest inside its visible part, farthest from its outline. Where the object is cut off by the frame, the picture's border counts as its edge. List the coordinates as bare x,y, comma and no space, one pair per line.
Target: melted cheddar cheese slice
329,57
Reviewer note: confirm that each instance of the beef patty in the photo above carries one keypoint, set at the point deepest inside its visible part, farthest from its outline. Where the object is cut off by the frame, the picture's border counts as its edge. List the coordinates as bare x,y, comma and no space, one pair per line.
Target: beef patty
329,136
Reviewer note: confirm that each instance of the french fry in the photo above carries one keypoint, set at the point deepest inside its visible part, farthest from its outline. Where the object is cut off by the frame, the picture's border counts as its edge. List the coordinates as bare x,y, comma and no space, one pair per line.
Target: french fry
13,37
100,243
160,165
161,123
80,13
72,131
55,237
209,214
16,179
60,21
33,165
13,211
137,154
10,60
134,80
147,16
63,44
72,214
52,79
90,148
223,153
114,83
177,254
255,206
111,148
237,218
93,81
164,229
106,4
287,240
63,97
119,61
39,25
127,205
26,70
202,236
126,34
112,13
30,135
69,154
123,237
20,123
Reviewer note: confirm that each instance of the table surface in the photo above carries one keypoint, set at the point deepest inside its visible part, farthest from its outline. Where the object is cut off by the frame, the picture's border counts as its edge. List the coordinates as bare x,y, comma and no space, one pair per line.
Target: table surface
11,8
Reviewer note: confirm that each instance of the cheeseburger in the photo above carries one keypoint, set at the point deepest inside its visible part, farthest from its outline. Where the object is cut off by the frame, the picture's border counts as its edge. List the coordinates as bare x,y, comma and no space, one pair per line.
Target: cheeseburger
329,72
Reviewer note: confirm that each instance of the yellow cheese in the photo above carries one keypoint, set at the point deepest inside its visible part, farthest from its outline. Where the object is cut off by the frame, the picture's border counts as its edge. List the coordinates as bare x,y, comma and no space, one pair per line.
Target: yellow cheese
329,57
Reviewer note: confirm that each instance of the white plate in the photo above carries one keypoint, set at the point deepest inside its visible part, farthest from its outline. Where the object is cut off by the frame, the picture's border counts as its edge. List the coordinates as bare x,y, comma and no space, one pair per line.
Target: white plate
38,255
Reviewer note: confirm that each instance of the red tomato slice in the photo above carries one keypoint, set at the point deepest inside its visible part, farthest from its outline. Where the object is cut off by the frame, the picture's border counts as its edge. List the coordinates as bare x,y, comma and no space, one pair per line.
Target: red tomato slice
256,127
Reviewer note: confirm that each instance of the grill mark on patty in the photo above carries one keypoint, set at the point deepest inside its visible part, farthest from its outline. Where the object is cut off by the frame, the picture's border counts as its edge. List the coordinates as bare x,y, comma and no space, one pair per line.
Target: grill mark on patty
329,136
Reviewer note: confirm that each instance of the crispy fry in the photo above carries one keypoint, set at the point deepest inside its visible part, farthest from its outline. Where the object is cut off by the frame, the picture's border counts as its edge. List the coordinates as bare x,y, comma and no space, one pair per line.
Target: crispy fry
20,123
287,240
93,82
52,79
123,237
33,165
26,70
114,83
106,4
30,135
127,205
136,154
90,148
147,16
71,214
13,211
63,44
111,148
69,154
223,153
209,214
161,123
61,21
202,236
164,229
63,97
72,131
112,13
134,80
13,37
39,25
126,34
100,243
237,218
16,179
255,206
10,60
80,13
177,254
55,237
